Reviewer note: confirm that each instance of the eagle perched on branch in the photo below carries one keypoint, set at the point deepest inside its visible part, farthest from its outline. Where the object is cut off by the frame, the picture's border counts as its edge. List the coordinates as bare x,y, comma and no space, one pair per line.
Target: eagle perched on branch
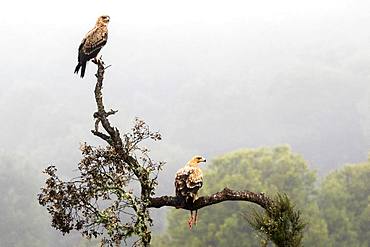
91,45
188,181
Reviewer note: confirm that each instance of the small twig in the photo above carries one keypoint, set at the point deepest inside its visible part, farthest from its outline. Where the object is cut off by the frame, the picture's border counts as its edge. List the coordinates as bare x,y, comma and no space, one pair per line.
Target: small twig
103,136
111,112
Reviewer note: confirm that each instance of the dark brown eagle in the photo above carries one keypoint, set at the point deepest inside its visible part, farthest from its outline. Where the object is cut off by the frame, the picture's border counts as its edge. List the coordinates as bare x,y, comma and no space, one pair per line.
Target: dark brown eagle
188,181
91,45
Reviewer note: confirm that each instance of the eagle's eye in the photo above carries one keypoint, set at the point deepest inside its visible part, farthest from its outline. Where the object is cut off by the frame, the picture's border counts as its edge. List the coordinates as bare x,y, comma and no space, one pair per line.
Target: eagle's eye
105,18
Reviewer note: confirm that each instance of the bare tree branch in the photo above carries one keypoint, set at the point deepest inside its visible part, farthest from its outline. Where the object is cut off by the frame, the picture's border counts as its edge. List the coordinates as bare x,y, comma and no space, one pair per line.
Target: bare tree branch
102,136
225,195
101,115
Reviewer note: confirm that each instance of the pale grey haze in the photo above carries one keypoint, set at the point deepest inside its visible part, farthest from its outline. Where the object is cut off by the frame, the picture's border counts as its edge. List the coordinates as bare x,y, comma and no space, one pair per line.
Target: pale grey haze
211,76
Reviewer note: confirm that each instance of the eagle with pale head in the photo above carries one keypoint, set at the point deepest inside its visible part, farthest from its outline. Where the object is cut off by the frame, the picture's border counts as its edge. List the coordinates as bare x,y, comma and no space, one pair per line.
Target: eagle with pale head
188,181
91,45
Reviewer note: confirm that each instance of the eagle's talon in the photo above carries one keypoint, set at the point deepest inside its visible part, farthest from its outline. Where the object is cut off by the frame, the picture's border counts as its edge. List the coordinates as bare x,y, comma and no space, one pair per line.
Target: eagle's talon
195,217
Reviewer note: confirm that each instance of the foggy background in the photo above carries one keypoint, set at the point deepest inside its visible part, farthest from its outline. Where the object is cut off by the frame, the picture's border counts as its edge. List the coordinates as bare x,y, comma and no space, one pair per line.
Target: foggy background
211,76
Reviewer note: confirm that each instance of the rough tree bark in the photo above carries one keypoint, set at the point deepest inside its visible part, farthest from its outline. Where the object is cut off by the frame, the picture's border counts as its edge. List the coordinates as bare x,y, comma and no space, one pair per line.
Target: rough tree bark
225,195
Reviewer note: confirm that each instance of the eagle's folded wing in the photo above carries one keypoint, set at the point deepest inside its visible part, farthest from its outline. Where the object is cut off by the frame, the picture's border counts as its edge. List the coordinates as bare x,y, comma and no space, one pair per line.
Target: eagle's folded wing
188,181
94,40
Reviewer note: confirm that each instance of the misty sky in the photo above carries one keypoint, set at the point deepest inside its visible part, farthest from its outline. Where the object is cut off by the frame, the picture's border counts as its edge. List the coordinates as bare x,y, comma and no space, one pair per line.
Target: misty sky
212,76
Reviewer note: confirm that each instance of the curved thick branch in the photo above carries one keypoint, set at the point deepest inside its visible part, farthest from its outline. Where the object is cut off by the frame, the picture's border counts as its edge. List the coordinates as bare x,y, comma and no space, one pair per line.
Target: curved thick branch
225,195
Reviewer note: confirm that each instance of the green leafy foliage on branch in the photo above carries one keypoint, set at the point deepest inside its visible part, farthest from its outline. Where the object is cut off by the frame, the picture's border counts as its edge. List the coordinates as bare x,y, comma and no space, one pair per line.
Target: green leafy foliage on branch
103,200
281,223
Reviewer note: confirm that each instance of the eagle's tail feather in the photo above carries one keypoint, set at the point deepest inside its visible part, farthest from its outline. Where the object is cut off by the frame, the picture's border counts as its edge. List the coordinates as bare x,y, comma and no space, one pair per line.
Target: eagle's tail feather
83,68
77,68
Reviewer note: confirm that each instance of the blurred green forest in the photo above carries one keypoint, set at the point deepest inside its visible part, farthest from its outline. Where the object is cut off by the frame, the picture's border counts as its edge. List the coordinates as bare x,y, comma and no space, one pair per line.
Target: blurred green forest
336,207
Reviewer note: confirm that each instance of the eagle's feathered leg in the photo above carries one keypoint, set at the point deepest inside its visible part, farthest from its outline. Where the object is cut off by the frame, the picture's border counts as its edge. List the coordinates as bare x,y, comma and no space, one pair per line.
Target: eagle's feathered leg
195,217
190,221
196,211
97,59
